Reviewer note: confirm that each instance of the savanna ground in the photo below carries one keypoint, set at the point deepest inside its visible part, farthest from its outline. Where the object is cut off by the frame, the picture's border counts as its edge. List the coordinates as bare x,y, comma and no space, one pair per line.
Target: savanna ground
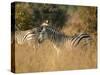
44,56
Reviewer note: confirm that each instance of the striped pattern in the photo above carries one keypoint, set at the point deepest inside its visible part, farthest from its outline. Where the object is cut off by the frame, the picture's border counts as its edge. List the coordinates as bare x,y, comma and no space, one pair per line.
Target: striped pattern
58,38
55,36
20,36
42,33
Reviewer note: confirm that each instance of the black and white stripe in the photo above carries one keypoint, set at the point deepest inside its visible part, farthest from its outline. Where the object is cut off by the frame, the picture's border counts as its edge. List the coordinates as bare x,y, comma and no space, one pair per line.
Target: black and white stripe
47,32
57,38
20,36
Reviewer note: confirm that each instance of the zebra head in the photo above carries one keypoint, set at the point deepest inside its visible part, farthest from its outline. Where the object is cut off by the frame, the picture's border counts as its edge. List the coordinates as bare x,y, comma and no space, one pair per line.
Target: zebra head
42,34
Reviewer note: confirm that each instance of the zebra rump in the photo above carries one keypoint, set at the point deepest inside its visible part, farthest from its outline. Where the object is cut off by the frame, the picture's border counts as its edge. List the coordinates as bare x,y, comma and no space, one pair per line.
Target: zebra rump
21,36
79,38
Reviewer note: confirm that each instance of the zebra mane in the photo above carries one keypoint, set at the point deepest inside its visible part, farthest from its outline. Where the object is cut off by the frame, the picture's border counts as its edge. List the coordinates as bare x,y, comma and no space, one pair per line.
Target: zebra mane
55,35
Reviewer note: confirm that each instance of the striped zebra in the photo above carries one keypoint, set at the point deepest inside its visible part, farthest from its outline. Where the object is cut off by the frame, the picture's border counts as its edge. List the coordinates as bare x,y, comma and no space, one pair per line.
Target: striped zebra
58,38
18,37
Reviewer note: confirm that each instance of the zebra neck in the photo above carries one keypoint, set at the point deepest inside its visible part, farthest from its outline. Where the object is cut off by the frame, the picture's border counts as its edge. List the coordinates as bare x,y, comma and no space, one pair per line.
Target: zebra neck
60,38
54,35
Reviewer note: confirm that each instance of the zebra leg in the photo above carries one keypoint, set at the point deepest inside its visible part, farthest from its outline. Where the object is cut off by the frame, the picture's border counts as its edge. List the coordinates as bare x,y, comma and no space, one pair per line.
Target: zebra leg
87,43
36,44
57,50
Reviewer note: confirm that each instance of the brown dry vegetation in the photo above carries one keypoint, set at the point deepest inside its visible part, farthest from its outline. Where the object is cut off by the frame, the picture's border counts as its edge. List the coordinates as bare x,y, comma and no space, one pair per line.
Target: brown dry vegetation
44,56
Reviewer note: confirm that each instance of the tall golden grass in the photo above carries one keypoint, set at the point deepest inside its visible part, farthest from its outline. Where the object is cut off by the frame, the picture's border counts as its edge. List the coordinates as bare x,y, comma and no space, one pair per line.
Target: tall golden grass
44,57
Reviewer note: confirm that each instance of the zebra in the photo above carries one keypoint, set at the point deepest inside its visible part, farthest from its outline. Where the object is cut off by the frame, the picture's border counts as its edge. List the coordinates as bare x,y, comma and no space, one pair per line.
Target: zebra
35,31
59,38
18,36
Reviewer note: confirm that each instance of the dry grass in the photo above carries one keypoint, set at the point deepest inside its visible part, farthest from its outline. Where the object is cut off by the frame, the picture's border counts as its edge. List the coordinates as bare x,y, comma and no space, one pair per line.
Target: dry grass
44,58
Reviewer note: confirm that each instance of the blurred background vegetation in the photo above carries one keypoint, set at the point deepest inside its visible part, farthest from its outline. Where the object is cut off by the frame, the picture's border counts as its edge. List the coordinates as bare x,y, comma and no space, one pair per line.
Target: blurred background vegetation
30,15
